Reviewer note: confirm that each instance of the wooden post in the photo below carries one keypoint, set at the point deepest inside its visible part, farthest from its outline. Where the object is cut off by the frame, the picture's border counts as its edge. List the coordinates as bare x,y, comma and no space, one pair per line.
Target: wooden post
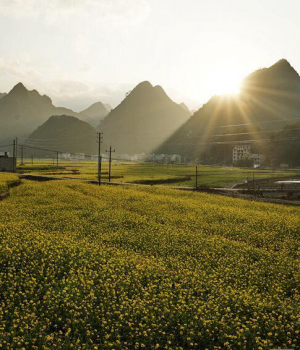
99,135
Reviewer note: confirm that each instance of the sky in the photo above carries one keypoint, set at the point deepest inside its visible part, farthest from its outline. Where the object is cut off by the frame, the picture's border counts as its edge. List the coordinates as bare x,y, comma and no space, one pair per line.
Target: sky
82,51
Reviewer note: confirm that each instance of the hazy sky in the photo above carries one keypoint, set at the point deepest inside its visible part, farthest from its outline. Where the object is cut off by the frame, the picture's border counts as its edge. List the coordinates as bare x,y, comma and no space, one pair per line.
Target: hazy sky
81,51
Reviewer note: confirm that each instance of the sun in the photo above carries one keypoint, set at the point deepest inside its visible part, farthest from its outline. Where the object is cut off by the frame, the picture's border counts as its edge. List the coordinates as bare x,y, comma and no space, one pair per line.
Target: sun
224,80
228,85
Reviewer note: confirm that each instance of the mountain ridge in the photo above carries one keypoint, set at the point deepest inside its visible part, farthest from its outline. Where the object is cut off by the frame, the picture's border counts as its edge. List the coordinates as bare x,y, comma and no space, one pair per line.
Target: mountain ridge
142,120
23,110
268,95
63,133
95,113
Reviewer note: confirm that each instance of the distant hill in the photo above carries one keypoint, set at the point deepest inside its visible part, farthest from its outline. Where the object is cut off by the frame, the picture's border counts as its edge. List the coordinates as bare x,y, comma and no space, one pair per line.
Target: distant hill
22,111
268,95
63,133
142,121
285,146
95,113
2,94
185,107
107,106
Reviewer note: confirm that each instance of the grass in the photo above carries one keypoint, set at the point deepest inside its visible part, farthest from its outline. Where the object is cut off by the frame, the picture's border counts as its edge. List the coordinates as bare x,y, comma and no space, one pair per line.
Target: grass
88,267
174,175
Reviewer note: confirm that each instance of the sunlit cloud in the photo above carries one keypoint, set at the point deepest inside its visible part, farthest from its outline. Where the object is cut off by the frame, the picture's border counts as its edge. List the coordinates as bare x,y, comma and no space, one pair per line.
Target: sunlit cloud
20,69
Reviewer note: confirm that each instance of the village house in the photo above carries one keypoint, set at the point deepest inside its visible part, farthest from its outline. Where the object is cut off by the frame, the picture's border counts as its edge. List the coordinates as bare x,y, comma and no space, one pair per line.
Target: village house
243,152
7,163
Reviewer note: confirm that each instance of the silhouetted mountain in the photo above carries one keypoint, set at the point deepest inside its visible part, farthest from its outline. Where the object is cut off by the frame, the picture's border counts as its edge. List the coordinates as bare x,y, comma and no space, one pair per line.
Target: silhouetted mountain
95,113
285,146
185,107
63,133
280,76
268,95
21,111
143,120
107,106
2,94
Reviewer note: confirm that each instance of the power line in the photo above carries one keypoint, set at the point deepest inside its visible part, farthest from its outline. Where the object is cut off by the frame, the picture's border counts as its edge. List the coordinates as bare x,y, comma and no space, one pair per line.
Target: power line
42,149
37,142
266,122
60,152
7,145
232,142
56,139
255,132
182,143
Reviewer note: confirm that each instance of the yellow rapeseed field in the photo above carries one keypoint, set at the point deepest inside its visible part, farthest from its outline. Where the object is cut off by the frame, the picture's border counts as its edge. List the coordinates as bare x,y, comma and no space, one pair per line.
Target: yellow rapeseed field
88,267
6,179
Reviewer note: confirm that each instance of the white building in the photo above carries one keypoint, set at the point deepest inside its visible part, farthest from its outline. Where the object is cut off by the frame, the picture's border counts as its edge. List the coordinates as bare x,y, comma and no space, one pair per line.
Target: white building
257,158
175,159
65,156
164,158
241,152
77,156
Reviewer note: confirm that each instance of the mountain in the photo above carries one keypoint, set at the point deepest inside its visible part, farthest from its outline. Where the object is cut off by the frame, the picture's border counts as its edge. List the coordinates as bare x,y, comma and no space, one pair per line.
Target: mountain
142,121
95,113
107,106
185,107
62,133
22,111
2,94
285,146
269,100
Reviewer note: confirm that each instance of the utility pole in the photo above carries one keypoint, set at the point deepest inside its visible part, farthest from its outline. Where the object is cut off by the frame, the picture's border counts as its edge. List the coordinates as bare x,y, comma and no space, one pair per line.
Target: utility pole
109,172
14,156
16,152
31,159
22,155
57,159
100,137
196,177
